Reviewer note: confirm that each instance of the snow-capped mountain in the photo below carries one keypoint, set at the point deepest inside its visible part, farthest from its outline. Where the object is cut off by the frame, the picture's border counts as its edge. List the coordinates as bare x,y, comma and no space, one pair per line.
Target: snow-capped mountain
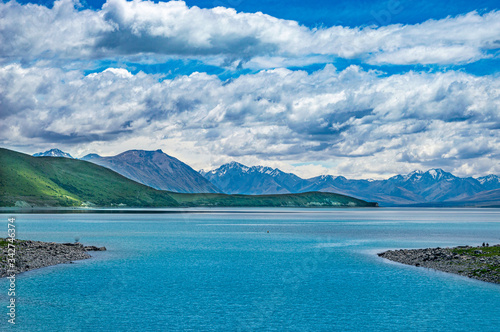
413,176
490,182
435,174
437,185
236,178
53,153
434,185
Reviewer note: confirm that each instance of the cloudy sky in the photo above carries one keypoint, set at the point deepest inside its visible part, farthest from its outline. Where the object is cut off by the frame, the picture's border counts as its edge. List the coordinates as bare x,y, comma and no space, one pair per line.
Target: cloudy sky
364,89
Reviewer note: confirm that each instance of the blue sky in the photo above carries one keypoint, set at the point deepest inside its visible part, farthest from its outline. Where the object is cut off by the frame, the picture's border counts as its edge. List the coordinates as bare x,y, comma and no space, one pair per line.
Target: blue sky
357,88
325,14
347,13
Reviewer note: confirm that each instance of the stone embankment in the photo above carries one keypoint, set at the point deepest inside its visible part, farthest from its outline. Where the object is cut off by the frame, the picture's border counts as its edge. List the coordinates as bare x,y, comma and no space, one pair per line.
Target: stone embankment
30,255
482,263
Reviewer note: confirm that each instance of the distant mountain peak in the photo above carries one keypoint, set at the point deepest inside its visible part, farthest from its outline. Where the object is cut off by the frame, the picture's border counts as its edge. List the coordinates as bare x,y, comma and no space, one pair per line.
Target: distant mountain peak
490,181
158,170
436,170
233,165
489,178
53,153
417,174
141,151
436,174
236,164
439,174
90,156
139,155
265,170
327,177
413,176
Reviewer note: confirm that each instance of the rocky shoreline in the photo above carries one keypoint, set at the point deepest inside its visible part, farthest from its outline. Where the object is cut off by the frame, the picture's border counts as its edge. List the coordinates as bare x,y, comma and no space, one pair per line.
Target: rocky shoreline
30,255
482,263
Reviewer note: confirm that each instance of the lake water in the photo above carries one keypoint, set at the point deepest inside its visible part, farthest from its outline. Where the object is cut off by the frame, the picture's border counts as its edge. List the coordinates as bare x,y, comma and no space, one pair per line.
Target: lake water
254,270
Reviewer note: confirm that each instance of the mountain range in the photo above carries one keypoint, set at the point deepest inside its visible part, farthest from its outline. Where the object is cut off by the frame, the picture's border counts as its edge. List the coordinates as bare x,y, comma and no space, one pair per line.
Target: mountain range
235,178
432,186
27,181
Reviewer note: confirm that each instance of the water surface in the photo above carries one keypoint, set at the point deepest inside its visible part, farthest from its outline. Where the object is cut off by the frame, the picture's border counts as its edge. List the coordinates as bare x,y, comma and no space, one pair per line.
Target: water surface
258,269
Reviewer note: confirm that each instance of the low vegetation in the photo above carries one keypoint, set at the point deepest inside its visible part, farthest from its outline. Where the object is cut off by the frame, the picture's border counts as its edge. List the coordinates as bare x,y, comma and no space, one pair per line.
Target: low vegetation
310,199
479,251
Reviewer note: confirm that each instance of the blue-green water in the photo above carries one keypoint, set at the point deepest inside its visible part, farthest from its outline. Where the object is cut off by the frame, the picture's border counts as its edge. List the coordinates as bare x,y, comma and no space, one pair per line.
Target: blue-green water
316,270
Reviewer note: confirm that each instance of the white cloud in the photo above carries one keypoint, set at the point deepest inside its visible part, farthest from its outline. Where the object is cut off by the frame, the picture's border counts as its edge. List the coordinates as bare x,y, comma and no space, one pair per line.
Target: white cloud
129,28
120,72
358,123
362,123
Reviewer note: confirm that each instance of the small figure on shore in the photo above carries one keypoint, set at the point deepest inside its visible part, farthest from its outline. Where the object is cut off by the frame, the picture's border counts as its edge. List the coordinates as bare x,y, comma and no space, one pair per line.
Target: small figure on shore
487,244
483,244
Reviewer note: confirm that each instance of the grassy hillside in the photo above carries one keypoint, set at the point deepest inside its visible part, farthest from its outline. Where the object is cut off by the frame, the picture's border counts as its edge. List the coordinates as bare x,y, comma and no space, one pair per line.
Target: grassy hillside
50,181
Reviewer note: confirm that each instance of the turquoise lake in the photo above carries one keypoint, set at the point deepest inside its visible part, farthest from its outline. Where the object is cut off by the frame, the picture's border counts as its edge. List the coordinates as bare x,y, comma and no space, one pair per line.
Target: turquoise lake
254,270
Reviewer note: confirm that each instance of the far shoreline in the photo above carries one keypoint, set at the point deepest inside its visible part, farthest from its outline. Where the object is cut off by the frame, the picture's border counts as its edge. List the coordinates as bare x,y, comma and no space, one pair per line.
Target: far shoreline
188,209
221,209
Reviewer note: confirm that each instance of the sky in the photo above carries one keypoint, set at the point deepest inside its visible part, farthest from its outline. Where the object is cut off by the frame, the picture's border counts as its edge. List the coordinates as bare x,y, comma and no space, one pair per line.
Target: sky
363,89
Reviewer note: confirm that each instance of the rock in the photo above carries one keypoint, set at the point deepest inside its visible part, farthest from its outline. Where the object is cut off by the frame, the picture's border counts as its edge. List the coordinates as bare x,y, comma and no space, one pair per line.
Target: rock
463,260
94,248
35,254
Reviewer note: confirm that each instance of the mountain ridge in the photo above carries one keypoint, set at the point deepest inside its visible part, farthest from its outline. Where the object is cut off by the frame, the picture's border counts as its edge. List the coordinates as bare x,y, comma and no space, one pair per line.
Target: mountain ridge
27,182
274,181
156,169
53,153
417,187
433,185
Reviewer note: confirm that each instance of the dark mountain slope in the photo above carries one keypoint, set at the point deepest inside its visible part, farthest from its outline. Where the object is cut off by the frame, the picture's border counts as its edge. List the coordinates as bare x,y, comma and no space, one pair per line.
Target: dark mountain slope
157,170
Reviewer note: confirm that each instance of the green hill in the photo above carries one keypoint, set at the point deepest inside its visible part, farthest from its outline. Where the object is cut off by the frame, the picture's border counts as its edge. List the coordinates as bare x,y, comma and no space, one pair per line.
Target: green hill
63,182
49,181
309,199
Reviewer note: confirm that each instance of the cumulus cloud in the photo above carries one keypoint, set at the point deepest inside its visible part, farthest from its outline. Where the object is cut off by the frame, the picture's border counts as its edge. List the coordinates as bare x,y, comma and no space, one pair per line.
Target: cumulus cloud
353,122
361,122
31,32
